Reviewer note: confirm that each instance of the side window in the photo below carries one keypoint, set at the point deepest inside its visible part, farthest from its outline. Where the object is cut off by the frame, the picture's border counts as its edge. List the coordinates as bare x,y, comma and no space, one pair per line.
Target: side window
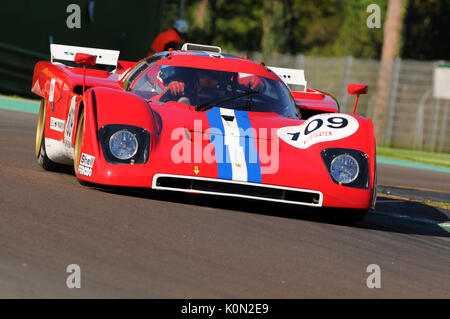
146,85
134,74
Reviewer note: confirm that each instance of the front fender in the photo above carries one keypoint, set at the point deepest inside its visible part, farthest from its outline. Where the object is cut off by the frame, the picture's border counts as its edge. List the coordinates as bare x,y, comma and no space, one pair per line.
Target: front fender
104,106
301,147
363,140
120,107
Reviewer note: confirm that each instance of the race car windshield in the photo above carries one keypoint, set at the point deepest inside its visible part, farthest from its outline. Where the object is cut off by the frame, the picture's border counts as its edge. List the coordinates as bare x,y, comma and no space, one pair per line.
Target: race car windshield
204,89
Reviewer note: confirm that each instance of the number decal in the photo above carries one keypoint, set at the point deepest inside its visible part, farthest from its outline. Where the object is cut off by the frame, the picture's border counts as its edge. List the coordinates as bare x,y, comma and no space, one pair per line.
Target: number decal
337,120
295,135
319,128
68,131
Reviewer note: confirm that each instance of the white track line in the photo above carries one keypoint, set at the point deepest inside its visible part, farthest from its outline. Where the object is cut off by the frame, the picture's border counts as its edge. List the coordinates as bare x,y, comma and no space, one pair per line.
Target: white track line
444,225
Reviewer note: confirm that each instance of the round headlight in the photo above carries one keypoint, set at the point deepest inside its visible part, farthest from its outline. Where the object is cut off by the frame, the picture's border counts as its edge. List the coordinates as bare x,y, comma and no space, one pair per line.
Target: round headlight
344,168
123,144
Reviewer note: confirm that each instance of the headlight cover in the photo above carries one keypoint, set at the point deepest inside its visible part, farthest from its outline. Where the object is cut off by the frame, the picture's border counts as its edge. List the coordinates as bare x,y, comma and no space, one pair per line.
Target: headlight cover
347,167
124,144
344,168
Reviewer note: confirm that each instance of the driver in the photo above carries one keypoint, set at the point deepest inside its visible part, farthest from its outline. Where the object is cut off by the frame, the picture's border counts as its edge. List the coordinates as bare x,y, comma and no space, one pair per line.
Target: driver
176,84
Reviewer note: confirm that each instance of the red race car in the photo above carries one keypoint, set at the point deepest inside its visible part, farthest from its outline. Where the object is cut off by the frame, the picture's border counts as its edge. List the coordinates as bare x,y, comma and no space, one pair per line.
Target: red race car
201,121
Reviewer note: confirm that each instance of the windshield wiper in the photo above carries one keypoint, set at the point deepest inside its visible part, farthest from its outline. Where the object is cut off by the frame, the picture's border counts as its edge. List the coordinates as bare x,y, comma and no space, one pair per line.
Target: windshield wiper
210,104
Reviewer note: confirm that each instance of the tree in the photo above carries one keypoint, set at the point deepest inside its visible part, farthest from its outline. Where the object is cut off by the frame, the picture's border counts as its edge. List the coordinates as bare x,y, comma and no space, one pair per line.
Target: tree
426,23
276,31
316,25
390,50
355,38
233,25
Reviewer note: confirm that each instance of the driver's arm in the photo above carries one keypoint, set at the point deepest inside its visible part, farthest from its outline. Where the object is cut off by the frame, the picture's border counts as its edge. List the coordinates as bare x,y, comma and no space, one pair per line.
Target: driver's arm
176,88
172,90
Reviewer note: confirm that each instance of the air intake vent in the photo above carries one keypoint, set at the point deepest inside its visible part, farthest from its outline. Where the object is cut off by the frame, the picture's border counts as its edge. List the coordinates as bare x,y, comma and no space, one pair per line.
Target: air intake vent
237,189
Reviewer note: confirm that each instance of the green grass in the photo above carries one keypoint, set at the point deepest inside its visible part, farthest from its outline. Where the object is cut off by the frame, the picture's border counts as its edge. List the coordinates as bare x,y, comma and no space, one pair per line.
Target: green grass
440,159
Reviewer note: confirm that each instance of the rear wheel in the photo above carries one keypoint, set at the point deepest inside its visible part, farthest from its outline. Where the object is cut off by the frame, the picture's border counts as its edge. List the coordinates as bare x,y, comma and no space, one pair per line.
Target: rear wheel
40,152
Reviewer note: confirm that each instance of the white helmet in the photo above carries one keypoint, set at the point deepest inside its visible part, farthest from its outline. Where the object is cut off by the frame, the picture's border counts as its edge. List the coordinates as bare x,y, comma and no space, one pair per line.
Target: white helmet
181,26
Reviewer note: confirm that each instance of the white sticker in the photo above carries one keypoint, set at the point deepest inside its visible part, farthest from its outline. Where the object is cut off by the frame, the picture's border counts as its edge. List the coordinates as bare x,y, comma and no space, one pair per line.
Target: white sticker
319,128
86,164
56,124
68,132
83,170
87,160
52,90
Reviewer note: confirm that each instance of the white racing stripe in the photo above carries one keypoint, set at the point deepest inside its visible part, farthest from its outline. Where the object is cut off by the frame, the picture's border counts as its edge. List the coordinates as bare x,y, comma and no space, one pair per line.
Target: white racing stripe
232,141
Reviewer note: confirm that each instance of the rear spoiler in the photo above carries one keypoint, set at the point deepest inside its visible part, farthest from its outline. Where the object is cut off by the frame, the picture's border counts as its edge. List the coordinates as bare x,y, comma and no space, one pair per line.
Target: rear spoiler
291,76
67,53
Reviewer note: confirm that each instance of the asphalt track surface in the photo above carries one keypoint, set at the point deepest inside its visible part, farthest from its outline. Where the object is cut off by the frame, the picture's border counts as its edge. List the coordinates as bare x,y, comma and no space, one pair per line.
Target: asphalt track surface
171,245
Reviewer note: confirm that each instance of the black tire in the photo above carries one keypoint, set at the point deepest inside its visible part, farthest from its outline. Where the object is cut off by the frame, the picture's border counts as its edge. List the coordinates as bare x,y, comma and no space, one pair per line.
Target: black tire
41,154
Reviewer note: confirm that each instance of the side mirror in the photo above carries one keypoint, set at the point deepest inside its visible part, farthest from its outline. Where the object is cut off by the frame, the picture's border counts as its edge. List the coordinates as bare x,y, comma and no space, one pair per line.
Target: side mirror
357,89
85,59
354,88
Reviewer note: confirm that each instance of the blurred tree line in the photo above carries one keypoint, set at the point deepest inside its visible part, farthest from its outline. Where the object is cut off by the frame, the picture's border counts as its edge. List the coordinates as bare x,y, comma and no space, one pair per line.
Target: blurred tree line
312,27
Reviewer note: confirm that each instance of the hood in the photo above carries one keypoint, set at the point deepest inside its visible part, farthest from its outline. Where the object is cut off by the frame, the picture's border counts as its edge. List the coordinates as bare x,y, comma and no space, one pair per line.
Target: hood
252,146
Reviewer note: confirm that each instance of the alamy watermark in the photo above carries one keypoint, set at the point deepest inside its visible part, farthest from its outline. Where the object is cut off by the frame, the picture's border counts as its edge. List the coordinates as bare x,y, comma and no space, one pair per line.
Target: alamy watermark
237,146
74,279
373,21
374,279
73,20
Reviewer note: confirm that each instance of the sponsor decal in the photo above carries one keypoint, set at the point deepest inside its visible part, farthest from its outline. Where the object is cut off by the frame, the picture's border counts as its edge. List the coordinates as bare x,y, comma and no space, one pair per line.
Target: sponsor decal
87,160
86,164
319,128
51,93
56,124
83,170
68,132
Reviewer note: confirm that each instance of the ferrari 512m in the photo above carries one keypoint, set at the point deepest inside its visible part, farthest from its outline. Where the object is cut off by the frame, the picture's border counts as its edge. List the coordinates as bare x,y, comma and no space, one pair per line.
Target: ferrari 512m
201,121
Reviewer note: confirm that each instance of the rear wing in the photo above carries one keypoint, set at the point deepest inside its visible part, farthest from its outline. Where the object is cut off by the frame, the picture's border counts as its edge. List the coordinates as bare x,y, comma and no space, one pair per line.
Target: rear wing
67,53
291,76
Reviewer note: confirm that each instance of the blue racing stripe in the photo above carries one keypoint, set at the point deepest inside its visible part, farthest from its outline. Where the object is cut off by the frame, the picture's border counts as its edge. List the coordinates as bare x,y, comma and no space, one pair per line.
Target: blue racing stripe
248,142
201,53
218,139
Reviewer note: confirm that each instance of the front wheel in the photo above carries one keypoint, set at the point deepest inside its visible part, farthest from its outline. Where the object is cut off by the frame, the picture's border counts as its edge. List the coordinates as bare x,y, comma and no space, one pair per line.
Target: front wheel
78,140
77,148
